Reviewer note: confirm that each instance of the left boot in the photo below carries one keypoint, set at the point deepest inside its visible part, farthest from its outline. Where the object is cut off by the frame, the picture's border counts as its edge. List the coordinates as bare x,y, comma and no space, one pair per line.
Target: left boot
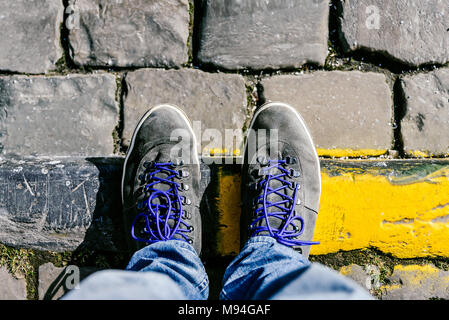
161,180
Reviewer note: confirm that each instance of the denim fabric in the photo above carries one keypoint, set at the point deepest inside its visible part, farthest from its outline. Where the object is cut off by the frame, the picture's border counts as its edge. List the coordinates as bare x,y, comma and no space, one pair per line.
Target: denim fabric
164,270
264,269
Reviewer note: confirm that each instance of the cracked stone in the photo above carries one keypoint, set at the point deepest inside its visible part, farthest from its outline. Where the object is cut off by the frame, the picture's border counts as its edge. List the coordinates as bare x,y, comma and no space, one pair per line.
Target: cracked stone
130,33
65,116
426,119
263,34
411,31
11,288
343,110
30,36
211,101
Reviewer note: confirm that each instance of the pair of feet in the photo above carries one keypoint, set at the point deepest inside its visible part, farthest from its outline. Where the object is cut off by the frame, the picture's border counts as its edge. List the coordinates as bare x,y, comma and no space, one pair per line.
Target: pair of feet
280,180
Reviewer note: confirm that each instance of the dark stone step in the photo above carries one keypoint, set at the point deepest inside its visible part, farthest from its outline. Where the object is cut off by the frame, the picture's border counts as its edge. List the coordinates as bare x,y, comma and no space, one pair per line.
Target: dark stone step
65,204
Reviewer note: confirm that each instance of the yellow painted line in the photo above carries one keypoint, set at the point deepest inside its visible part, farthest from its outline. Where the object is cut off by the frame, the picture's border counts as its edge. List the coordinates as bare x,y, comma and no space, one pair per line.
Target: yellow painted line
367,210
220,152
390,287
406,216
228,204
420,154
350,153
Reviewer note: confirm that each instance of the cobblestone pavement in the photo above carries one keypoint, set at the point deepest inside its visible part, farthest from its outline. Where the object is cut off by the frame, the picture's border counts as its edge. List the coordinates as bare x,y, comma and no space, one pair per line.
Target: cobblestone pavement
370,77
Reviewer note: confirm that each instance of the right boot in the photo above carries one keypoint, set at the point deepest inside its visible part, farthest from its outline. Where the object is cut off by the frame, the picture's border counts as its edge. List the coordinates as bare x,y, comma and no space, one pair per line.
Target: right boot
281,182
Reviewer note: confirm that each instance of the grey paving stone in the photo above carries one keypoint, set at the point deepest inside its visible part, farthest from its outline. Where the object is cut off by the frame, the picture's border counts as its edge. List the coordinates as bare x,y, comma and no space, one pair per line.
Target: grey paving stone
262,34
67,116
212,101
417,283
356,273
11,288
30,36
426,121
343,110
130,33
412,31
55,282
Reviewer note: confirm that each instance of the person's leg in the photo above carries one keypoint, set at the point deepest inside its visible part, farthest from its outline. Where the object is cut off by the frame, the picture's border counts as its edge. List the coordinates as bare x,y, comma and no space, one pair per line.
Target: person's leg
281,187
265,269
160,196
166,270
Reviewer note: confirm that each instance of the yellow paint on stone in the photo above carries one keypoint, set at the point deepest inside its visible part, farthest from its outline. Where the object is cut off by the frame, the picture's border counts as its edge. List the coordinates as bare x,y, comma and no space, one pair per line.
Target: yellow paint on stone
229,214
407,217
368,210
350,153
419,154
417,276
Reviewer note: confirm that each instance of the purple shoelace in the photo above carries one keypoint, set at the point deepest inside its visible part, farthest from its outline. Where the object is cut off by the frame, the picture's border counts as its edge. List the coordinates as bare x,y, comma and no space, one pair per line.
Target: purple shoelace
161,207
284,208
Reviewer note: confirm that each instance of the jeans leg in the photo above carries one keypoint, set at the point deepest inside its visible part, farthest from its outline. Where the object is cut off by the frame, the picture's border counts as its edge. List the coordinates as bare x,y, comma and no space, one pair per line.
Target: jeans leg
266,269
163,270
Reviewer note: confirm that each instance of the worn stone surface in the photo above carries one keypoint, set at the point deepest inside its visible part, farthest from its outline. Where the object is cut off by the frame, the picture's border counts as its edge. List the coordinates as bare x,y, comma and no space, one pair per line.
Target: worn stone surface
129,33
30,36
217,101
426,120
64,204
11,288
356,273
60,204
416,282
412,31
368,276
55,282
70,116
263,34
341,109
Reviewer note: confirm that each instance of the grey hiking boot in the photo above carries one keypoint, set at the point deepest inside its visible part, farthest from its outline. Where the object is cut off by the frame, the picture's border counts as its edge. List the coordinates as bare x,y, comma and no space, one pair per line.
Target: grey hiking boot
281,182
161,178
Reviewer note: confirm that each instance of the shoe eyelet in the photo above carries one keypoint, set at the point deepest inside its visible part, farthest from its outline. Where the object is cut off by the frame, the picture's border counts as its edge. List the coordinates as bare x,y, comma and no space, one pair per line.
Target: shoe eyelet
191,228
186,215
183,187
294,174
178,162
290,160
148,164
182,174
190,241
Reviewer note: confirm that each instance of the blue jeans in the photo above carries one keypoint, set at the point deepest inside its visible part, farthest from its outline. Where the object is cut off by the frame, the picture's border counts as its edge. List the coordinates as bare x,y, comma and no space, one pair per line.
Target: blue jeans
263,270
